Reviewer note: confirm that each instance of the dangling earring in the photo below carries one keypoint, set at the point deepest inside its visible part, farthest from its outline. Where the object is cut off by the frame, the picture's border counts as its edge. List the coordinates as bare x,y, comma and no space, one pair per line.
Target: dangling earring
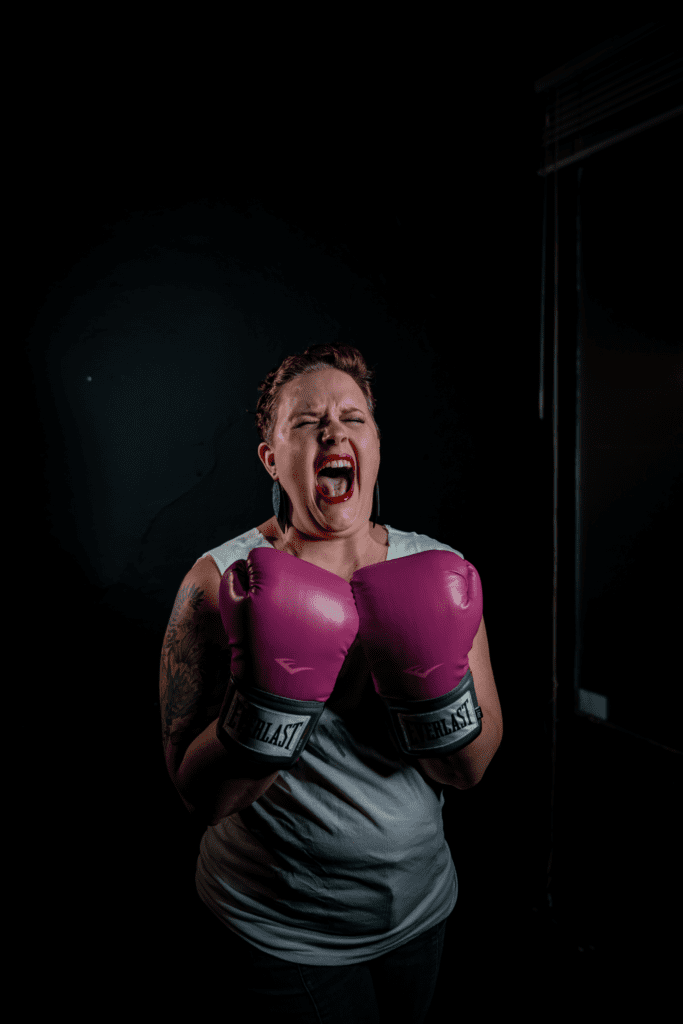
280,505
374,514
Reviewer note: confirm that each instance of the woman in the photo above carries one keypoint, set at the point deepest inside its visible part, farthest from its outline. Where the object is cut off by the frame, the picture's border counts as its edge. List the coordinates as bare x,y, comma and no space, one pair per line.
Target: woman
330,876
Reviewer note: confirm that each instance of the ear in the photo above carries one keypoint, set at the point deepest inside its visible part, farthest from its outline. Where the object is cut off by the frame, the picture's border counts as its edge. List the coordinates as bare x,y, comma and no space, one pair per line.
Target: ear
267,457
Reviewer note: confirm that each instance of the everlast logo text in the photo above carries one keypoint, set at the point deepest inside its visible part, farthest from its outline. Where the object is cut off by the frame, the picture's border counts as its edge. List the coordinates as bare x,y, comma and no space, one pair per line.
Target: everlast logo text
430,731
421,732
258,728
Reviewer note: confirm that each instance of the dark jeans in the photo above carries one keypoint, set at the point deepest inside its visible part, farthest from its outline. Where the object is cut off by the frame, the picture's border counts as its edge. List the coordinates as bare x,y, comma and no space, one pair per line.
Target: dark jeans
396,988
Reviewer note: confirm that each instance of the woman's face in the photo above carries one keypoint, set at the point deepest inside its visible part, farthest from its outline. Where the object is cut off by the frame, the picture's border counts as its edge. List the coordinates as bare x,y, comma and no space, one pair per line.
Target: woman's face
323,413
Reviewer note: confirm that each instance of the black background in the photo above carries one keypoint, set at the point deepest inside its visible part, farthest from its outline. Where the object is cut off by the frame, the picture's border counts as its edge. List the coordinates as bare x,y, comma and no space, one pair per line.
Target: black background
404,158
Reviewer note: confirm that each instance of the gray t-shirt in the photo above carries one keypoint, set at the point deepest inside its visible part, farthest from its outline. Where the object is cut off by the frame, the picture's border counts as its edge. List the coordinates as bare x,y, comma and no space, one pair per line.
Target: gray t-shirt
344,857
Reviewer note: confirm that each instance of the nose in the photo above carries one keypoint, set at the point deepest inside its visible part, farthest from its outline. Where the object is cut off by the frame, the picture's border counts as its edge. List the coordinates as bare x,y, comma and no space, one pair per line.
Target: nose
334,431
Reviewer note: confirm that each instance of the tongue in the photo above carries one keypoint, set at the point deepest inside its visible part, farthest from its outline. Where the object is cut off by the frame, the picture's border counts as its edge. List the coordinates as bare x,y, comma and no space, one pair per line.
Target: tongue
332,486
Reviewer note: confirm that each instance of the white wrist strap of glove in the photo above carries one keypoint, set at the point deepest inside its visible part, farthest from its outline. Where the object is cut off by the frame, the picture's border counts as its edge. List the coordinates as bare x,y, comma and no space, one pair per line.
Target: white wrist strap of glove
436,727
265,732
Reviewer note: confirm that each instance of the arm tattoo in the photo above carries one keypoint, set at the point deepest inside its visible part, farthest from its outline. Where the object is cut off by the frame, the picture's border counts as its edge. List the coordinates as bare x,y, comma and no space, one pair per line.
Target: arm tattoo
185,667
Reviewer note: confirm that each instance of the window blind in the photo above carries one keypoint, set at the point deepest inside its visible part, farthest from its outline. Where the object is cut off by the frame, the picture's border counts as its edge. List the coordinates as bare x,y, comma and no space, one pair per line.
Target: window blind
617,89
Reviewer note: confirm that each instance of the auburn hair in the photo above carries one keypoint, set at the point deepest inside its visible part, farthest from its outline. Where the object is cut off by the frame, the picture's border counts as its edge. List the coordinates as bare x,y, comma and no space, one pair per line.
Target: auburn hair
316,357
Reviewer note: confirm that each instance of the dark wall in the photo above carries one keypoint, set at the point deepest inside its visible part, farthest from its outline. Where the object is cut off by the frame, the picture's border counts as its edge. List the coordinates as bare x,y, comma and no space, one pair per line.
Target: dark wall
406,221
631,424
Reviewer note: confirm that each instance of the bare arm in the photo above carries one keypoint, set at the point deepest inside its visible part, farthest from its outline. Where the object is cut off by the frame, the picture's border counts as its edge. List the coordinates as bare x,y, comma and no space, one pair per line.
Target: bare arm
201,777
191,691
466,767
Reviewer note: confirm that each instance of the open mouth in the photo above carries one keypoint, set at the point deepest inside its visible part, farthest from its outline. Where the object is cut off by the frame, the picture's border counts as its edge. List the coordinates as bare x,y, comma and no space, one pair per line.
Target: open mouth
335,480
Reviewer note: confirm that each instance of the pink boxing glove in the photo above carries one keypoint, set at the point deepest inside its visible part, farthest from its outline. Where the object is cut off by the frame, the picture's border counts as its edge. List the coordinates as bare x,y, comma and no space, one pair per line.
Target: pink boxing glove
290,625
419,616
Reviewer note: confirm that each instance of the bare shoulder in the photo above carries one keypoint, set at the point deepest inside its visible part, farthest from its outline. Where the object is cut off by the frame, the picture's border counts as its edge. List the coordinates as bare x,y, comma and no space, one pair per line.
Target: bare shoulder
206,575
197,599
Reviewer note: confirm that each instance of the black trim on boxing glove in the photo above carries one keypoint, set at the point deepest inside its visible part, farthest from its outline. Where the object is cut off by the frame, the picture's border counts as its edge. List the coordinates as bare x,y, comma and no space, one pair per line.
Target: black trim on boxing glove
436,727
264,732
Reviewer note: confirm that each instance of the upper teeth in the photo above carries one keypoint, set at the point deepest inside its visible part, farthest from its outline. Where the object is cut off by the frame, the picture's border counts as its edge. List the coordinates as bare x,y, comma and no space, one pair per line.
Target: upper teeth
338,464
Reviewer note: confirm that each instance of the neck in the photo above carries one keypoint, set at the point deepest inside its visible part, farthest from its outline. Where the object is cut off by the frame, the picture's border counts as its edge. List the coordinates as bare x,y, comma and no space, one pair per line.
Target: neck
331,550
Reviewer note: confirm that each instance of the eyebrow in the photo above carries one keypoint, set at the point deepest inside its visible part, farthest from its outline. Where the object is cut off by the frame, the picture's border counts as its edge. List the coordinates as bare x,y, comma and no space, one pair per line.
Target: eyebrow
309,412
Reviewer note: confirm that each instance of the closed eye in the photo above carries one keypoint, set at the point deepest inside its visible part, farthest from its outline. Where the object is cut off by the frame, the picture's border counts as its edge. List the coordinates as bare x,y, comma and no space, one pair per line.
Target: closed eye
306,422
